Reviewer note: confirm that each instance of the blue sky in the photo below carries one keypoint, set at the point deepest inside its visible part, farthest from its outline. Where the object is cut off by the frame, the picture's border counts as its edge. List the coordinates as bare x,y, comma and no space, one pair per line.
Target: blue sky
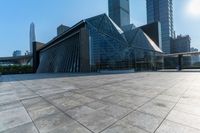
16,16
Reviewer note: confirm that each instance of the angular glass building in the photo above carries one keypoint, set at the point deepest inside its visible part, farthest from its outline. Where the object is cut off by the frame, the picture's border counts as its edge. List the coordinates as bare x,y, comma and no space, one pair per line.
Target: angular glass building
162,10
96,44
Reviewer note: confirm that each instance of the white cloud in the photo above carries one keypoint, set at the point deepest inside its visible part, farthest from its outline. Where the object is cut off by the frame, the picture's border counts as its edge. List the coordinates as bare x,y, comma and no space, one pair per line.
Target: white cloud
193,8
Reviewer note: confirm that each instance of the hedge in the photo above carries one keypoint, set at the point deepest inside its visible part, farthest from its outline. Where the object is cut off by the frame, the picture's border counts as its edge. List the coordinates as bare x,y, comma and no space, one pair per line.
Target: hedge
16,69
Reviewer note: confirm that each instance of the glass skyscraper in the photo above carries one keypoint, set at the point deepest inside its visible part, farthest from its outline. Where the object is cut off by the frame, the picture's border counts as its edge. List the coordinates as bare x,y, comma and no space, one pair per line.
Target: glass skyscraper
119,12
32,36
162,10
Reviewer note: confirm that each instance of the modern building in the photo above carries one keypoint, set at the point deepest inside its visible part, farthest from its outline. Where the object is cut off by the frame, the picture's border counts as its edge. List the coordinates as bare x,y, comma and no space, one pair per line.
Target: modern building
96,44
195,58
61,29
162,11
17,53
119,12
192,49
181,44
32,36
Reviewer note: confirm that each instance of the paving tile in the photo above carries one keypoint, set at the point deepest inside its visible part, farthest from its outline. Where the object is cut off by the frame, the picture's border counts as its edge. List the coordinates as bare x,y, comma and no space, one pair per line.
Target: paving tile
26,128
42,112
171,127
97,94
143,121
65,103
82,99
70,128
97,105
122,127
11,105
129,101
94,120
35,103
68,100
13,118
142,92
49,91
157,107
25,94
8,98
113,99
168,98
185,118
115,111
188,108
190,100
136,100
79,112
58,123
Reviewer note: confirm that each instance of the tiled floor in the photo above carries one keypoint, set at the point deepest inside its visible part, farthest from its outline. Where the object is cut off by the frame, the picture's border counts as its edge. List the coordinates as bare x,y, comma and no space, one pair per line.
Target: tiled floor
160,102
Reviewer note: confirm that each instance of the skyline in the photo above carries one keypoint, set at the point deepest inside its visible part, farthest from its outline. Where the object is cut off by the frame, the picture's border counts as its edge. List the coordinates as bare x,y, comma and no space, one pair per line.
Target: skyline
48,15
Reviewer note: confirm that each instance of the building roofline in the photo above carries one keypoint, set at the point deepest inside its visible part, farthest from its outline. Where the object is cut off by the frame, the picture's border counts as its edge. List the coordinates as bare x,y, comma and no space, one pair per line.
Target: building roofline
61,35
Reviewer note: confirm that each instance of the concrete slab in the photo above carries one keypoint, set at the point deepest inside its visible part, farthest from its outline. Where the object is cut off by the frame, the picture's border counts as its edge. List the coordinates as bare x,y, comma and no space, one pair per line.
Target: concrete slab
158,108
58,122
171,127
185,119
143,121
95,120
26,128
123,127
13,117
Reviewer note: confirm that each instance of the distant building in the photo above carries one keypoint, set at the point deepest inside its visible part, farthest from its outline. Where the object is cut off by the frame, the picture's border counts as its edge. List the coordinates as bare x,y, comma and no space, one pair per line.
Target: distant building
192,49
181,44
27,52
32,36
162,10
61,29
17,53
195,59
119,12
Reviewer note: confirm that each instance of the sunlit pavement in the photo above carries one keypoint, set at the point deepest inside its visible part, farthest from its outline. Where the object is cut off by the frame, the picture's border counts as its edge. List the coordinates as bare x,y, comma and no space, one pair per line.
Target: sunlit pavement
161,102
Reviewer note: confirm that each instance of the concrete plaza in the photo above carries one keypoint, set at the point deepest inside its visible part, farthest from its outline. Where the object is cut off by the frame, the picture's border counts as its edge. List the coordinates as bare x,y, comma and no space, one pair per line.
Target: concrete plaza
160,102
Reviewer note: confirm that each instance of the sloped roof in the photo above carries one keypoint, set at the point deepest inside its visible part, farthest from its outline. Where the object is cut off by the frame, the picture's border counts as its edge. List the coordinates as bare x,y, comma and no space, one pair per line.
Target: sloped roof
153,44
137,38
104,24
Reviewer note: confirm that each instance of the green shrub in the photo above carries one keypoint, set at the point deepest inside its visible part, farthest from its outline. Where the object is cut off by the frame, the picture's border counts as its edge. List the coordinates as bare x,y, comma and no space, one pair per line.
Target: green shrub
16,69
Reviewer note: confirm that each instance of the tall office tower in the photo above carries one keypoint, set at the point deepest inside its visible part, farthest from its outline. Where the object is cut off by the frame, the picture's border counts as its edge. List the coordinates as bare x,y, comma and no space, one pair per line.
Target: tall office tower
162,10
119,12
32,36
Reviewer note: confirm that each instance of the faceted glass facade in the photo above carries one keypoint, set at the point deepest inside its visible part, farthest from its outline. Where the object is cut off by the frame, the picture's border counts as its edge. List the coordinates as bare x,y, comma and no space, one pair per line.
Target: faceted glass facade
111,48
64,57
162,10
